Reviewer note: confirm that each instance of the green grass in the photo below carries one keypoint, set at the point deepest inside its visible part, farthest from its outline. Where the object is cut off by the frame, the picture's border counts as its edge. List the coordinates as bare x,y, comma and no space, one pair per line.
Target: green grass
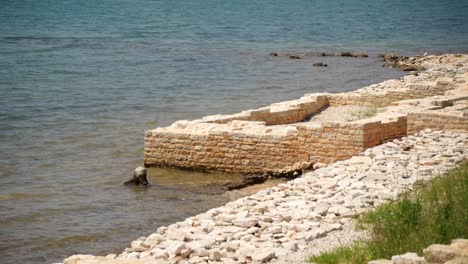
436,212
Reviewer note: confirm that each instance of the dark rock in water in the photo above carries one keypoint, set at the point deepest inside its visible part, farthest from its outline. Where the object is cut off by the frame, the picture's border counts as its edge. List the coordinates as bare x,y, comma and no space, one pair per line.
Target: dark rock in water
295,57
403,62
410,68
345,54
388,57
320,64
274,54
247,181
324,54
217,187
354,55
139,177
360,55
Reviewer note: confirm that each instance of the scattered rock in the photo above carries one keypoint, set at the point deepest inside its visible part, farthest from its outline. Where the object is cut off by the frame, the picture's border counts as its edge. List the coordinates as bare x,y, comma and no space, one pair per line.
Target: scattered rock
244,222
440,253
139,177
176,248
264,254
408,258
215,255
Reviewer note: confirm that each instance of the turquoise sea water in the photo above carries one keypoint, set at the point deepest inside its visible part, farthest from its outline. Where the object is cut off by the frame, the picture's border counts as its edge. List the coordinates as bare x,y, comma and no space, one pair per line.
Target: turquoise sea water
81,80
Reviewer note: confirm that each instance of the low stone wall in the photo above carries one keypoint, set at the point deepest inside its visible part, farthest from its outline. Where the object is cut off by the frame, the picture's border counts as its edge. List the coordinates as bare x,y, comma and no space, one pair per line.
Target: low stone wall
227,152
287,112
438,121
375,133
402,91
254,153
299,147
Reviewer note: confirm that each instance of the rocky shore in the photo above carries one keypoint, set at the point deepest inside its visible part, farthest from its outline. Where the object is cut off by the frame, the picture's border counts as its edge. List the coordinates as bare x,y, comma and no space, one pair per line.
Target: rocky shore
286,223
313,213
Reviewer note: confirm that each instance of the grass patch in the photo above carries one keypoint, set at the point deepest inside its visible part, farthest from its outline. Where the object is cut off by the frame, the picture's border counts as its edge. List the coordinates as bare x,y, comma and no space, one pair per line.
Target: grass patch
436,212
363,114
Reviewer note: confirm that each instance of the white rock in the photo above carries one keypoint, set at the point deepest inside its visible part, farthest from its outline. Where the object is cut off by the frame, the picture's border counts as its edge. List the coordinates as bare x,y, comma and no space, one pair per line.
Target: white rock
321,209
207,243
228,261
201,252
225,217
264,254
338,210
315,233
175,234
176,248
153,239
158,253
185,253
133,255
252,230
274,229
408,258
291,246
281,252
232,246
244,222
245,250
215,255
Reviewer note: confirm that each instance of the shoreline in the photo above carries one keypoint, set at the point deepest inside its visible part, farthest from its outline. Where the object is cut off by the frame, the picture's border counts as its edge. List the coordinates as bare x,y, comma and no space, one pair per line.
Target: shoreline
191,241
281,139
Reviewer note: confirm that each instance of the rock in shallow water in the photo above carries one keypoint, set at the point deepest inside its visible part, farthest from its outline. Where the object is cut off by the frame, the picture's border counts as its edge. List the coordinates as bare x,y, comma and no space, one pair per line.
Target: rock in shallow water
320,64
139,177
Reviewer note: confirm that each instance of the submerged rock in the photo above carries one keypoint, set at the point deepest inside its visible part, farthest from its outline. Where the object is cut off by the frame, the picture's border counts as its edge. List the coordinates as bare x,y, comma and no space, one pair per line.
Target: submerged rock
249,180
354,55
139,177
295,57
320,64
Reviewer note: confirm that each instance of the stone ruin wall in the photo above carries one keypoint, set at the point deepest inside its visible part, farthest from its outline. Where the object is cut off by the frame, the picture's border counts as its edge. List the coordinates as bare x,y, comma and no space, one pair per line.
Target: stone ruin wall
418,121
280,140
255,154
240,152
411,91
376,133
277,114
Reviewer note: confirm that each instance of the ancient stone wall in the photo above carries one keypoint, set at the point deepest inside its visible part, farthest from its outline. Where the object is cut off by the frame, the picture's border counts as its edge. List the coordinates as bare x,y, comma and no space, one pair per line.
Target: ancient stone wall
280,113
227,152
436,121
237,152
375,133
407,91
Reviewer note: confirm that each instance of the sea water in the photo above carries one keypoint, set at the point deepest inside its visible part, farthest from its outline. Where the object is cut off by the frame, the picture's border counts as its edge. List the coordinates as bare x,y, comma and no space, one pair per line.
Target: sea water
80,82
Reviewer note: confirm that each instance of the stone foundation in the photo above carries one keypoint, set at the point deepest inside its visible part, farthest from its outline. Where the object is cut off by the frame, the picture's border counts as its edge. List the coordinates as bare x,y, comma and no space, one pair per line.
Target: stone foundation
277,138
